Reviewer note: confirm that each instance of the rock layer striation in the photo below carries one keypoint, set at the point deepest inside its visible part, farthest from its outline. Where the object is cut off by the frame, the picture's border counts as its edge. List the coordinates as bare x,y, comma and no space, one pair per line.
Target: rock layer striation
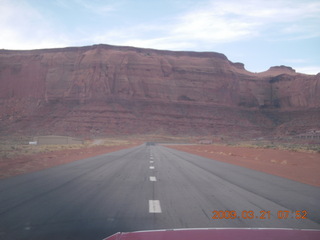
103,89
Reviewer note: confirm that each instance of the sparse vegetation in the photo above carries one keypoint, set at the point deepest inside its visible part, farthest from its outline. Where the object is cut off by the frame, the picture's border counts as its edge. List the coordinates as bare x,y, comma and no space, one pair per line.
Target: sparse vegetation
311,148
16,146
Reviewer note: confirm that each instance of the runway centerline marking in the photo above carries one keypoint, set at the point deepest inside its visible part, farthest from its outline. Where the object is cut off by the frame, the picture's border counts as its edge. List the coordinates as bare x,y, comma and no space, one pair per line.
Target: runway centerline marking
154,206
151,161
151,167
153,179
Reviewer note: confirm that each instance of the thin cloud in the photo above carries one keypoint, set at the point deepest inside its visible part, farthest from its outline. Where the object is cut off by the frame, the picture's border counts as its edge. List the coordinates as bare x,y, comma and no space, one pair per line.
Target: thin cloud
312,70
214,22
207,26
23,27
228,21
95,6
161,43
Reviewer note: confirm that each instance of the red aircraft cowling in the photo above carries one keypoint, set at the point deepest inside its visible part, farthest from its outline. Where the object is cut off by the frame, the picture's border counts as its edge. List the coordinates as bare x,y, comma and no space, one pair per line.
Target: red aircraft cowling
220,234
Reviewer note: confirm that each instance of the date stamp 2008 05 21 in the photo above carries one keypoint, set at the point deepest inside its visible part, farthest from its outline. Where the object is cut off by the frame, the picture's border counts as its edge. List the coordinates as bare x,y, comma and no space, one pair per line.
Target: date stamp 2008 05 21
281,214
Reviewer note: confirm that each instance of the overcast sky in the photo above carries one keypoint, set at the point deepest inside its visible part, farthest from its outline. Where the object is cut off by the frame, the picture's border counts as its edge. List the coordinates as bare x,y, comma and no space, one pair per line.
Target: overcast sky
258,33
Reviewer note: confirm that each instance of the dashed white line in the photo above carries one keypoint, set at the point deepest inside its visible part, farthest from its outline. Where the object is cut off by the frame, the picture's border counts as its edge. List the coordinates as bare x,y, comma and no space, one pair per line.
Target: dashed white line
153,179
151,161
151,167
154,206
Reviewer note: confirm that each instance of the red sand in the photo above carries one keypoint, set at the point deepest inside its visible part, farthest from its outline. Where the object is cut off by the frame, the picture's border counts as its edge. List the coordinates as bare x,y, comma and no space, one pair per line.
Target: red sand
24,164
298,166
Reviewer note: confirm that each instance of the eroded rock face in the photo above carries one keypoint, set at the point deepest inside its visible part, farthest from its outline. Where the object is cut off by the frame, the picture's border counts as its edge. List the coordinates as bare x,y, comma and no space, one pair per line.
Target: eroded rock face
104,89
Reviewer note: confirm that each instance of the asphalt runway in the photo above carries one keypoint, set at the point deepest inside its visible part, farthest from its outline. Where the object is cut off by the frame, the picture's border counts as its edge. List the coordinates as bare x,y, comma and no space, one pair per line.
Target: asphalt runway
145,188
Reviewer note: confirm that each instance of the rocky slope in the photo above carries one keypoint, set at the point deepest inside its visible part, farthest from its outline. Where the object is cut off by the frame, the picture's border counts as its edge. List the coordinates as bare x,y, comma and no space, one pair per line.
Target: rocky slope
102,89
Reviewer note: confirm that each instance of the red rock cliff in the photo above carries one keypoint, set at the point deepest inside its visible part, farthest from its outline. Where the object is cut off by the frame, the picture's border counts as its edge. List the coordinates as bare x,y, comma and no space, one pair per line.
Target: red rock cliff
105,89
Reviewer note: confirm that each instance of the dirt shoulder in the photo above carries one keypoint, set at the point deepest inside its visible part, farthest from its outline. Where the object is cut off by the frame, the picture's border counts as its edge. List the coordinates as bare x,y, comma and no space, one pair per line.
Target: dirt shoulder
299,166
34,162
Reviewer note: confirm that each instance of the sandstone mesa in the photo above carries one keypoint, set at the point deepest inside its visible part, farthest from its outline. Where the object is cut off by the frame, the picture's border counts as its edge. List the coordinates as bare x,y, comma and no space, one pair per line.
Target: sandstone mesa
101,90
